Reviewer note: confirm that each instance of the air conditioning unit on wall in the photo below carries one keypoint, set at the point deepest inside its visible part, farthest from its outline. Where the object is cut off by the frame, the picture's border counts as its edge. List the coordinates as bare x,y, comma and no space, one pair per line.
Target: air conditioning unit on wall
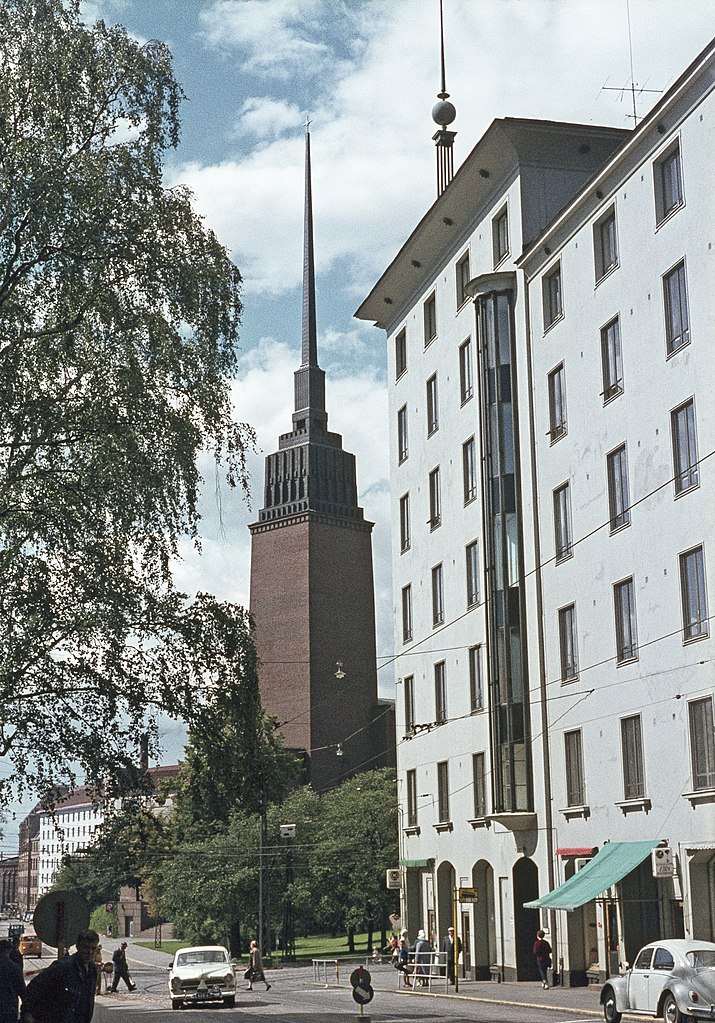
393,878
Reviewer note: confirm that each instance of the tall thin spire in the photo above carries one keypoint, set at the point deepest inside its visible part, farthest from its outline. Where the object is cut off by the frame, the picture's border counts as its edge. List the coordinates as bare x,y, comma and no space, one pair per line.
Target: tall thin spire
443,113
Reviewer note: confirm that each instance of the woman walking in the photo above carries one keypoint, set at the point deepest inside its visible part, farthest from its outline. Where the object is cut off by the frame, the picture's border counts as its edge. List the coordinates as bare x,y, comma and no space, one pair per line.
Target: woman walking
255,967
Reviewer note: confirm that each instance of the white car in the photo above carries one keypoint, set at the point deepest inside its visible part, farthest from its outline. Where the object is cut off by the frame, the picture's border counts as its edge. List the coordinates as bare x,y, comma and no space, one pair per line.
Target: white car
203,973
672,979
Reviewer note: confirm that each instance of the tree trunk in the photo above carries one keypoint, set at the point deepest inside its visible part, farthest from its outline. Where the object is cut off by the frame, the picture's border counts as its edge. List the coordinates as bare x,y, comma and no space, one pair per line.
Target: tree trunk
351,941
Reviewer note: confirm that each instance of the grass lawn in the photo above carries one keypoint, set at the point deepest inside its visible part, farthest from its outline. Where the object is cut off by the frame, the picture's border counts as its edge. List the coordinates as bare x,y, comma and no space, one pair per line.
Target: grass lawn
315,946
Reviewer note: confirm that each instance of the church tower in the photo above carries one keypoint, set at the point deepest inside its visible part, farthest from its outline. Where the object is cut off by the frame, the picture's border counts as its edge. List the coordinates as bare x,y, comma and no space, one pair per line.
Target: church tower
312,583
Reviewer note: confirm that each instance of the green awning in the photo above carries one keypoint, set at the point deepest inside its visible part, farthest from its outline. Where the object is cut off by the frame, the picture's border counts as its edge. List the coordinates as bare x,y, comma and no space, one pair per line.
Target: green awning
611,863
414,863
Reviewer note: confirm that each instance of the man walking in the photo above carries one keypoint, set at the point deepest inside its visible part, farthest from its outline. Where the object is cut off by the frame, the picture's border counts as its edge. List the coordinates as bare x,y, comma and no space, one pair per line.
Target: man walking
12,984
121,970
64,992
448,947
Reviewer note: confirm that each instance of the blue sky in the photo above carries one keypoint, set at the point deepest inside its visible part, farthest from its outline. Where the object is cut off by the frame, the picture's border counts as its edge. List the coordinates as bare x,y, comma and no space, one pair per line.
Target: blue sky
367,72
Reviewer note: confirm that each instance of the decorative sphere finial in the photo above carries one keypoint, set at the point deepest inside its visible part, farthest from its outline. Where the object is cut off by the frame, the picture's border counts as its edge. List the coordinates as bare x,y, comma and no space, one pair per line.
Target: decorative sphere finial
444,112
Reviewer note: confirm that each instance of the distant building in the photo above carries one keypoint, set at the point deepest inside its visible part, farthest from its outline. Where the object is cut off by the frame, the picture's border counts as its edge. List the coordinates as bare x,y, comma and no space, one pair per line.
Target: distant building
549,326
28,862
312,590
8,882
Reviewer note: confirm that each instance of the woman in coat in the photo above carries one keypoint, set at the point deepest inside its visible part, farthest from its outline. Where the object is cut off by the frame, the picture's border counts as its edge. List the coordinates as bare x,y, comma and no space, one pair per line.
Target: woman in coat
255,967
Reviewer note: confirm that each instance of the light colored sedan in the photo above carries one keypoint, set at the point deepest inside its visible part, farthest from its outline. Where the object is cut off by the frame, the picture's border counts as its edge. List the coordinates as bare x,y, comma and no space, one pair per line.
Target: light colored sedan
672,979
202,973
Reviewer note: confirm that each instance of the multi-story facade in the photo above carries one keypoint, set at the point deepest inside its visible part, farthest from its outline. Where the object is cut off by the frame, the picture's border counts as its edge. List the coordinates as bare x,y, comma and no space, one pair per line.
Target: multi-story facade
526,439
69,828
28,857
8,882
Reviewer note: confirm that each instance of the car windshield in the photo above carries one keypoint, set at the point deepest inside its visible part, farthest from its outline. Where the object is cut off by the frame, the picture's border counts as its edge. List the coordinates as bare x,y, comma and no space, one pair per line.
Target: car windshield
702,958
200,956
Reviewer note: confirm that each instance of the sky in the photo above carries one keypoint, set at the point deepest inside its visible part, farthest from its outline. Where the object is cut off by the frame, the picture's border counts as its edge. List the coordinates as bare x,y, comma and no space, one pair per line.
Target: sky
367,74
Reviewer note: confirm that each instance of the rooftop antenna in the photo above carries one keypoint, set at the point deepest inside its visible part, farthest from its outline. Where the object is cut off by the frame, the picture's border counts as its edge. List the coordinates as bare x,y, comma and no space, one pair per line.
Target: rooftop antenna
443,113
632,87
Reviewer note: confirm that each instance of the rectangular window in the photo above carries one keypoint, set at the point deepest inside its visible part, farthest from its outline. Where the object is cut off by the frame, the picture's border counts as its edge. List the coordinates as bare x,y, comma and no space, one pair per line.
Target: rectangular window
702,743
406,613
462,279
472,557
551,294
409,684
605,246
611,360
479,783
469,469
400,354
432,405
412,799
557,403
562,522
435,499
632,753
618,499
443,792
624,608
437,596
568,643
694,595
430,319
476,695
500,236
675,296
440,693
404,523
685,447
668,183
575,785
402,448
466,384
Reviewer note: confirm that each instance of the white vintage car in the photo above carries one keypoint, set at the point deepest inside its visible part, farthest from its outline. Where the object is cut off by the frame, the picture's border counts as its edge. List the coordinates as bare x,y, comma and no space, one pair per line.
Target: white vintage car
672,979
203,973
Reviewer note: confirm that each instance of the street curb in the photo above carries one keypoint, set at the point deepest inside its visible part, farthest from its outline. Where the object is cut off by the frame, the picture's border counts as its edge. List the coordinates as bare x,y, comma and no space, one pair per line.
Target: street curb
521,1005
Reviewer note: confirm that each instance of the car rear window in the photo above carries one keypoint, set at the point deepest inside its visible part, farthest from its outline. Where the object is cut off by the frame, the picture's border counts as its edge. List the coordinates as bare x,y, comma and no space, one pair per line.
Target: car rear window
702,958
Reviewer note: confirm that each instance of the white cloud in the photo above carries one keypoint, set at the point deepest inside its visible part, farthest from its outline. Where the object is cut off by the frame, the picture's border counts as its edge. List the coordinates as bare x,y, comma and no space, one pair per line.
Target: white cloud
265,118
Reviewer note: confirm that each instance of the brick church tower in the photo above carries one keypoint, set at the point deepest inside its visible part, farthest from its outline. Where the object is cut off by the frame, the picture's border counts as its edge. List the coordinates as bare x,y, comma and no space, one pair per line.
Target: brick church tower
312,583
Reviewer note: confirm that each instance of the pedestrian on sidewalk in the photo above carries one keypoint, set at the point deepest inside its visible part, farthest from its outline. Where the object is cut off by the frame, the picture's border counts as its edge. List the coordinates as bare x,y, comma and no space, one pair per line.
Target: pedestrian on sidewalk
403,961
12,984
542,952
423,954
64,992
255,967
448,948
121,969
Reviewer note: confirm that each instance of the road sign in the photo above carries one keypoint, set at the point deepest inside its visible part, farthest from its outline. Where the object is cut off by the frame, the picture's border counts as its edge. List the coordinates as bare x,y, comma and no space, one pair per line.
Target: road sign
363,995
467,894
59,917
109,907
360,977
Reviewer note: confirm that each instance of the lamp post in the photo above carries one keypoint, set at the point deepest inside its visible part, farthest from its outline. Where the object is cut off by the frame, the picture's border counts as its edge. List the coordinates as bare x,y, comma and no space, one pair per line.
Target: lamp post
287,831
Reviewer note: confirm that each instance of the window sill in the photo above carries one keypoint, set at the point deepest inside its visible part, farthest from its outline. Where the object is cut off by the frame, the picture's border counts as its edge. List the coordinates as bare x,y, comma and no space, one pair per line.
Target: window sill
412,829
616,392
665,217
607,273
617,529
572,812
700,796
671,352
557,319
686,490
623,661
480,822
443,826
569,680
687,640
560,558
466,398
405,549
399,376
556,435
642,805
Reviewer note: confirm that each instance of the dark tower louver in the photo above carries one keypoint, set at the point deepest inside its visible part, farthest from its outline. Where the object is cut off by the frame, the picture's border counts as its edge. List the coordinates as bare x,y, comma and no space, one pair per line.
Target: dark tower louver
443,113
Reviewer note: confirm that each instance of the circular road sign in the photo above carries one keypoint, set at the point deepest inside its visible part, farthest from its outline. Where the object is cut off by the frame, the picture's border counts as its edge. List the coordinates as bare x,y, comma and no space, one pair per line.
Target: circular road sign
360,977
363,995
59,917
109,907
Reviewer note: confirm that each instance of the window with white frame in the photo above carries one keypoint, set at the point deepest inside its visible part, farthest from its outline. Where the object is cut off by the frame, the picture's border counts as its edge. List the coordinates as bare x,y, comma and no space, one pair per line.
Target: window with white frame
563,539
469,469
402,448
605,244
552,297
624,609
702,743
668,182
618,498
675,298
406,613
400,353
476,693
466,383
685,447
462,276
611,360
412,799
432,406
430,319
557,403
472,560
500,235
435,499
404,523
568,643
437,596
443,792
693,594
440,692
632,758
575,781
479,785
409,691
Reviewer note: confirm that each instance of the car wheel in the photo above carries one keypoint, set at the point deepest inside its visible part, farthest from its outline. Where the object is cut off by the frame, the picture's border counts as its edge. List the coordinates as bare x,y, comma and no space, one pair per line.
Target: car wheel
229,1001
610,1012
176,1003
671,1012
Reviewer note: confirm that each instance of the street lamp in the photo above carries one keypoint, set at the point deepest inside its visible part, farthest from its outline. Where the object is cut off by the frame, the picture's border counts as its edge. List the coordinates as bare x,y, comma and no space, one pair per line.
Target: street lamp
287,831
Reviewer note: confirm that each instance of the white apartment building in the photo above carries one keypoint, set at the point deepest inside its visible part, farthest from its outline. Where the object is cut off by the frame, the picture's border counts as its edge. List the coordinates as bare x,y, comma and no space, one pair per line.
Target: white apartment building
551,419
68,829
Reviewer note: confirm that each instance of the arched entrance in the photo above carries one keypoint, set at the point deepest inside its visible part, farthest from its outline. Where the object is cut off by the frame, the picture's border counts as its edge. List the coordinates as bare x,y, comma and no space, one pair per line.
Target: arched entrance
525,881
485,937
445,883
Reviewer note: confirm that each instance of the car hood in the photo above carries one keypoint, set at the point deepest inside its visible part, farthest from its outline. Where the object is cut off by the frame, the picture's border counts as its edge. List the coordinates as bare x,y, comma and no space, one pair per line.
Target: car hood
202,970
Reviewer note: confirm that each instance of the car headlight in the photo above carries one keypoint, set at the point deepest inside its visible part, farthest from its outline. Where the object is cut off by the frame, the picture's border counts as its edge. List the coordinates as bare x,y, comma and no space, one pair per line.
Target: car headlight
230,979
175,984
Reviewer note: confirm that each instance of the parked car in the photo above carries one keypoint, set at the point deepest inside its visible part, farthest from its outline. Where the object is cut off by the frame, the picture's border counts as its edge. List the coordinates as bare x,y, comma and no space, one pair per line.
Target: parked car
30,945
203,973
672,979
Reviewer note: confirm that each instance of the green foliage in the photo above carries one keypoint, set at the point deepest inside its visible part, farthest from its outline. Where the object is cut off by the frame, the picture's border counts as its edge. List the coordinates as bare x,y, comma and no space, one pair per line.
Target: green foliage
119,316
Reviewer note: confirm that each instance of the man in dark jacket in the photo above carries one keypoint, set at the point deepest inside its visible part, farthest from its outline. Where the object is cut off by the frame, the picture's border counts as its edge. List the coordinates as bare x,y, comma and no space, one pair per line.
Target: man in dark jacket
121,970
64,992
12,984
448,947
